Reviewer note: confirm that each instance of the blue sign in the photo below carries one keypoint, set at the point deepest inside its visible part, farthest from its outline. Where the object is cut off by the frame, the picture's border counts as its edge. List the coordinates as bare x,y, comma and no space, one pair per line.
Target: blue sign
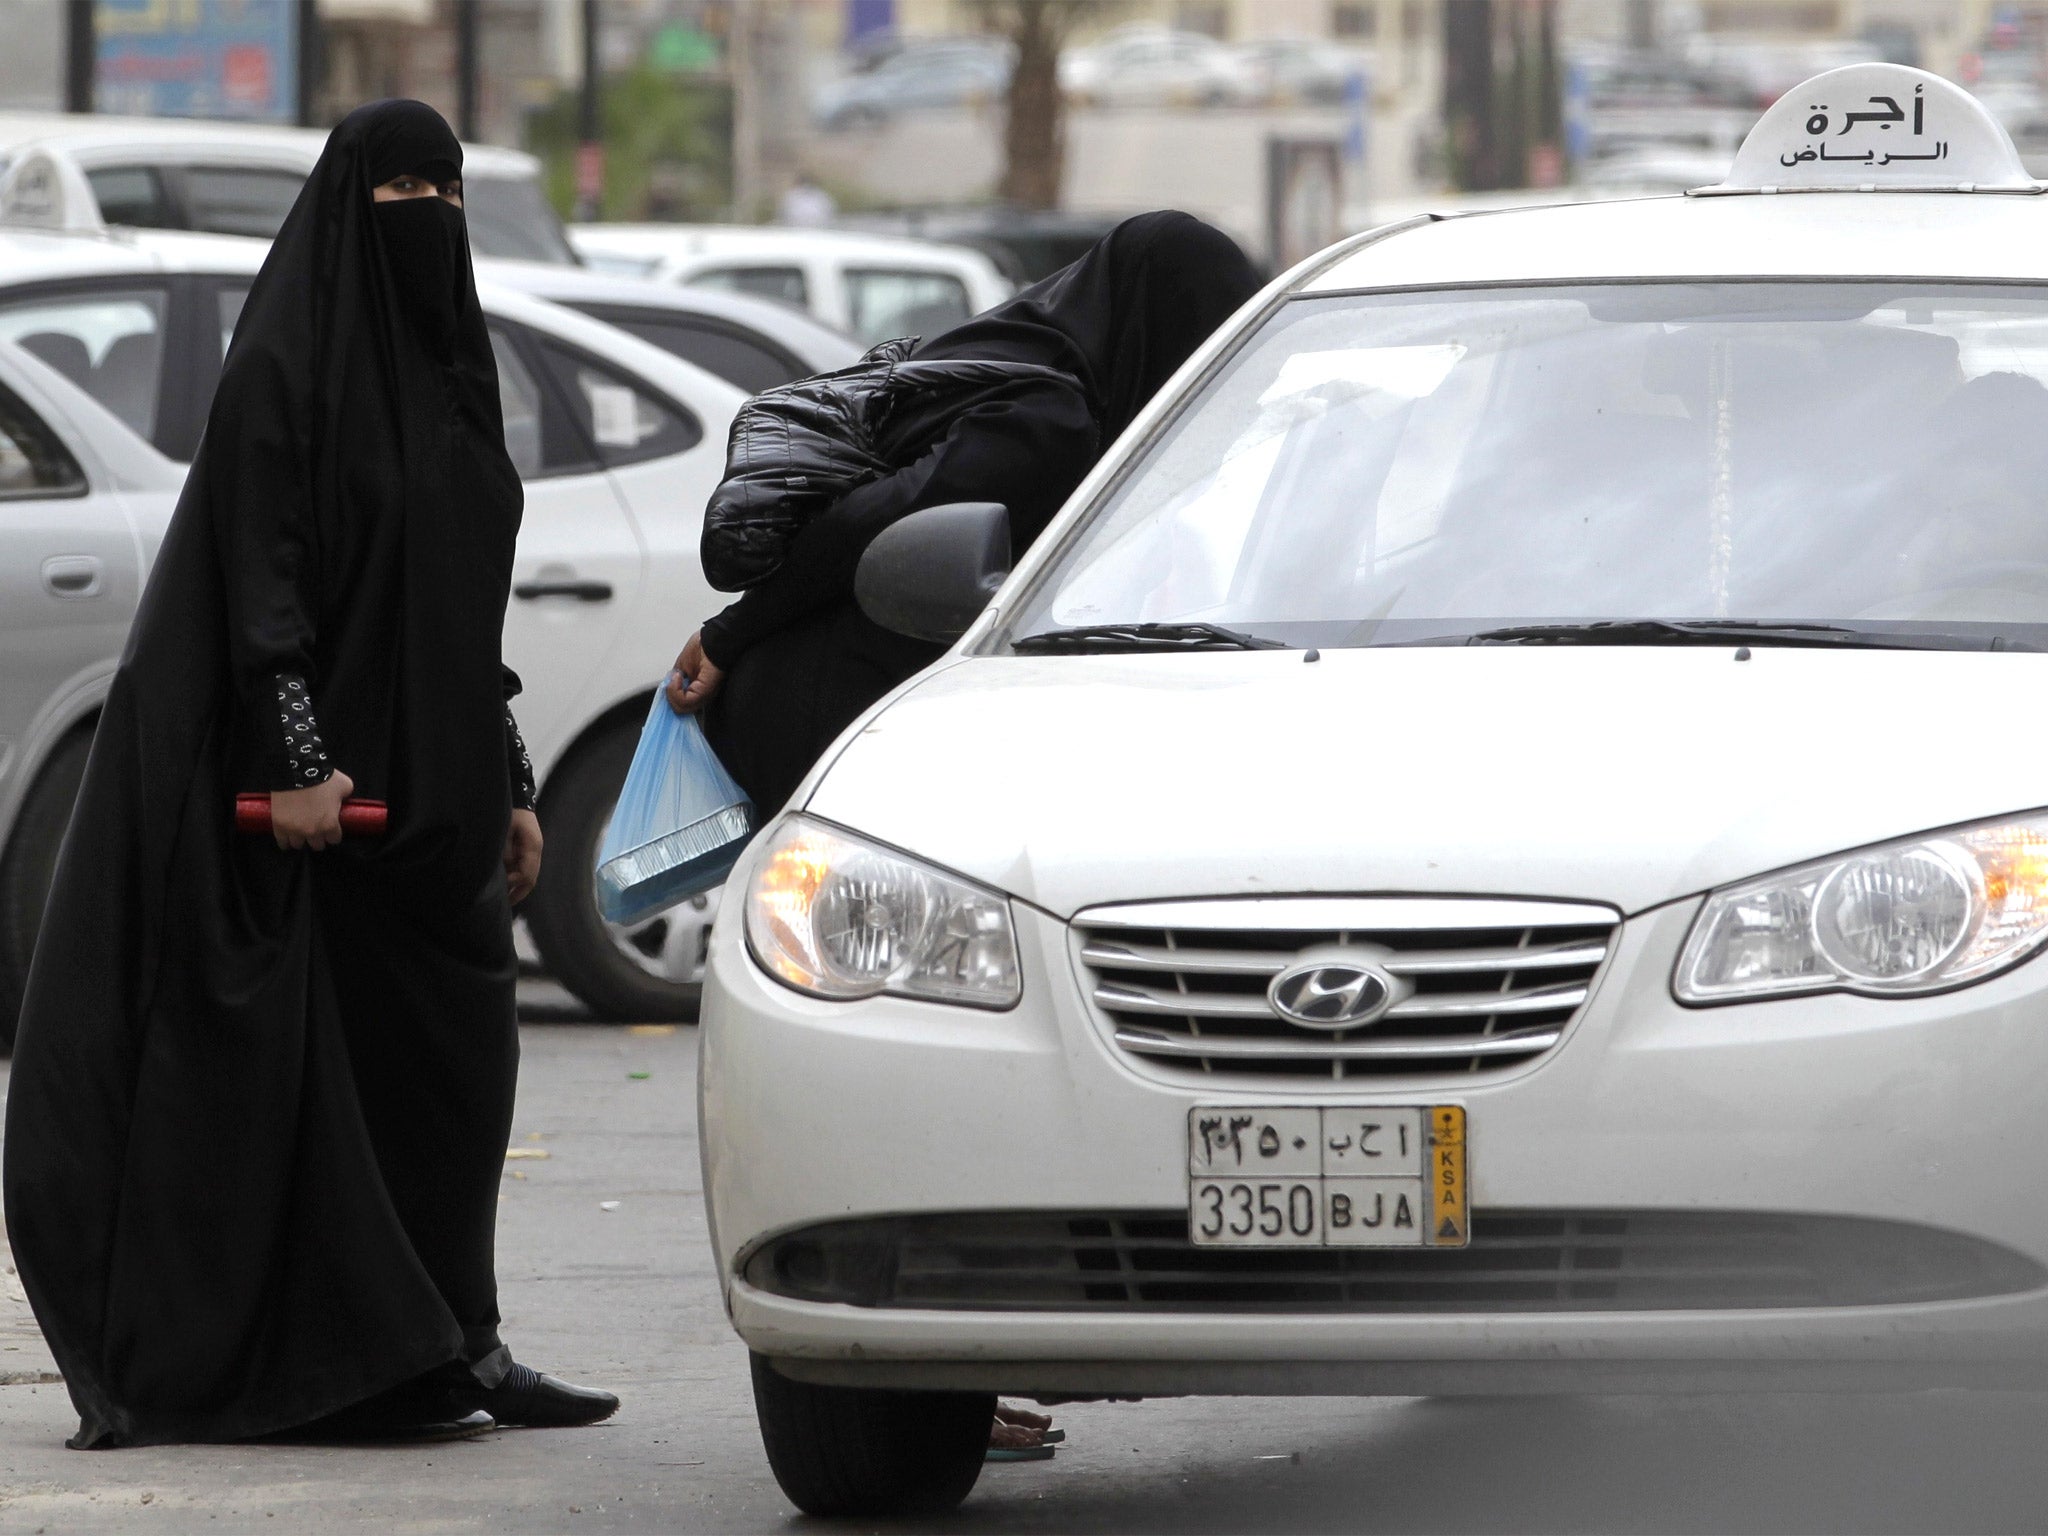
198,58
869,18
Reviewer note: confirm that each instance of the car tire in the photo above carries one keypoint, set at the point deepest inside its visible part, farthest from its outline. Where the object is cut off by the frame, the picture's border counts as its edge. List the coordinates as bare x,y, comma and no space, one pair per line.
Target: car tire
28,866
579,948
870,1451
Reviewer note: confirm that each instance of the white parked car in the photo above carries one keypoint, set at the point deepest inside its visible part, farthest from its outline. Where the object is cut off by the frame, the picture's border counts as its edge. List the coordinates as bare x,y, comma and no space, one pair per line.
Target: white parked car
1497,845
1292,70
1147,66
754,343
873,287
111,349
65,171
922,75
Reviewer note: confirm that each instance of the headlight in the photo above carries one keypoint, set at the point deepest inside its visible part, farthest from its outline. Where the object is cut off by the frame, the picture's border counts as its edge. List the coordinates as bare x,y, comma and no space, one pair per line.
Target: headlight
838,917
1906,917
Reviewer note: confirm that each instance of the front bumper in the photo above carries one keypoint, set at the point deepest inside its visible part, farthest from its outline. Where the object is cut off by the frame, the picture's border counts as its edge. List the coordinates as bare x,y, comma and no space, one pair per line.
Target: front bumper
1914,1111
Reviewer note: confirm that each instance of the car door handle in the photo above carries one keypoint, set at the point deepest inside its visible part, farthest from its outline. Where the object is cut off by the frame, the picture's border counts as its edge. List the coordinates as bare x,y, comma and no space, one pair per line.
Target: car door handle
582,591
73,576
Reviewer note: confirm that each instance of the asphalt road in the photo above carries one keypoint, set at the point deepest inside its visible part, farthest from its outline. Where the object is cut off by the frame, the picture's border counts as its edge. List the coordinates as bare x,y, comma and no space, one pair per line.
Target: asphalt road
624,1297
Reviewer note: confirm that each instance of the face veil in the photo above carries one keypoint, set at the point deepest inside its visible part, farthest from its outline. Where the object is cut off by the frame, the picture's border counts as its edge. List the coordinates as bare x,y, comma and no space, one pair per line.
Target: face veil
425,244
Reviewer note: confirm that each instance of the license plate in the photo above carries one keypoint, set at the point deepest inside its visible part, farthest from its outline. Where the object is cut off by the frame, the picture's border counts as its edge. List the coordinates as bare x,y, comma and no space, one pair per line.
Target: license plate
1301,1177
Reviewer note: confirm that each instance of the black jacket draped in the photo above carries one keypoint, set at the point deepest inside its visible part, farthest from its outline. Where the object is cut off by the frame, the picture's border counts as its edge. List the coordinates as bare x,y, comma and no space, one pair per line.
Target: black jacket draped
802,661
260,1099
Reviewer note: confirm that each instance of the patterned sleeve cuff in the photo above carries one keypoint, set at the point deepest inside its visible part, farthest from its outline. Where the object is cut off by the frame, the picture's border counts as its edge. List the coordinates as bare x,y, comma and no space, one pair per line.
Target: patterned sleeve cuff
302,758
525,793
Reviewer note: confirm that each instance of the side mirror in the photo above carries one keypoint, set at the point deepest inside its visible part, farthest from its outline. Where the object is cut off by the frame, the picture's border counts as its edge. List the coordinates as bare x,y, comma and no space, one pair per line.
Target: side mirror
930,574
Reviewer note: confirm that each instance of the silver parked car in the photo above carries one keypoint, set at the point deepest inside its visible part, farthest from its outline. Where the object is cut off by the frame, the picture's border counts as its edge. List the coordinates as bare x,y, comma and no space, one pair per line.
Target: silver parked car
109,350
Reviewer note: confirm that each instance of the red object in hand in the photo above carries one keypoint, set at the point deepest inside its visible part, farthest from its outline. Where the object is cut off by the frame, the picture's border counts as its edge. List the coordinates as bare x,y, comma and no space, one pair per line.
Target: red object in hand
361,818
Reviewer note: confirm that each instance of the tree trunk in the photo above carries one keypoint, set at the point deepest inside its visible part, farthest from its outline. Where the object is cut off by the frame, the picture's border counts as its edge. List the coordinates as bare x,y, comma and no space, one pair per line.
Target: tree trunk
1501,94
1468,93
1034,125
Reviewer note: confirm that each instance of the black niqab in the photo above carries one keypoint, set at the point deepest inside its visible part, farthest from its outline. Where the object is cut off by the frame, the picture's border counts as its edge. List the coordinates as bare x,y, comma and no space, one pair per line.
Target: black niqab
1123,317
260,1099
802,659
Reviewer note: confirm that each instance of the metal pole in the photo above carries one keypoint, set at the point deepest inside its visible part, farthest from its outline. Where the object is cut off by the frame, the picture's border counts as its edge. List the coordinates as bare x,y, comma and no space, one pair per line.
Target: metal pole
312,63
746,118
466,67
590,128
80,55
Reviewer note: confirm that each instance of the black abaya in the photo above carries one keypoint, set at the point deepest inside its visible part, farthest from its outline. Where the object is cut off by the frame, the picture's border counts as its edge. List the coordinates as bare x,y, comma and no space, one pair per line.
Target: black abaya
801,660
260,1099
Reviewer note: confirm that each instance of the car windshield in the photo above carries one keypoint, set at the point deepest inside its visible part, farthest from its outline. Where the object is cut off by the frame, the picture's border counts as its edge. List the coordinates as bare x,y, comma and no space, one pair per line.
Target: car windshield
1432,466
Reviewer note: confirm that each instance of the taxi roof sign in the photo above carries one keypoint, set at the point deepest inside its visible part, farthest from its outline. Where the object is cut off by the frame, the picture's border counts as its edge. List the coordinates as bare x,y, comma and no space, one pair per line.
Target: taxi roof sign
1876,128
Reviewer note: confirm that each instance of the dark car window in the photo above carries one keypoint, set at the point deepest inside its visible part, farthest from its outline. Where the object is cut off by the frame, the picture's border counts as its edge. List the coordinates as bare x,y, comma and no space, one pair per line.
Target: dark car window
738,356
33,462
540,434
239,200
511,217
131,194
624,417
109,342
785,285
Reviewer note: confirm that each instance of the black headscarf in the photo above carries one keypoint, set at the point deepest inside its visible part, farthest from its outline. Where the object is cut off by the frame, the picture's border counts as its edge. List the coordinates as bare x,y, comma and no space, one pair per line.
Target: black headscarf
259,1099
1123,317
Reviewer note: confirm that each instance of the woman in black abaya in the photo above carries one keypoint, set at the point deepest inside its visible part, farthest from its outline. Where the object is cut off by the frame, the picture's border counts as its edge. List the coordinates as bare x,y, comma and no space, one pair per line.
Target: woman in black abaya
262,1086
791,664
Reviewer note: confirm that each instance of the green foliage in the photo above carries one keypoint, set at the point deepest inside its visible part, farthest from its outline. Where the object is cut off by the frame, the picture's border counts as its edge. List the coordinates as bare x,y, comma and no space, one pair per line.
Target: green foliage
667,144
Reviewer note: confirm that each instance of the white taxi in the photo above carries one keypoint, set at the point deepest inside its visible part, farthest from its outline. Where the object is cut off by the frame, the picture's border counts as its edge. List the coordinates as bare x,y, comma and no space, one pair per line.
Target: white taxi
1498,845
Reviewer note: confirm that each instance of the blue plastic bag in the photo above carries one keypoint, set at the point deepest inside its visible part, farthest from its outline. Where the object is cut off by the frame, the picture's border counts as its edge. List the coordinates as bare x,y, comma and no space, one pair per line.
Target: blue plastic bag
680,824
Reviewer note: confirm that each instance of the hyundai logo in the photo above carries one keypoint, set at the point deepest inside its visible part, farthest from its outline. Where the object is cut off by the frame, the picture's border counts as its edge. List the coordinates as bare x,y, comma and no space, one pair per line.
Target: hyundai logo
1332,995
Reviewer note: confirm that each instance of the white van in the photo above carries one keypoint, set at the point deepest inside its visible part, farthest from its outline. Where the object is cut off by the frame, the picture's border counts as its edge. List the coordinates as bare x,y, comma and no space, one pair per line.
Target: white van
873,287
66,171
1498,845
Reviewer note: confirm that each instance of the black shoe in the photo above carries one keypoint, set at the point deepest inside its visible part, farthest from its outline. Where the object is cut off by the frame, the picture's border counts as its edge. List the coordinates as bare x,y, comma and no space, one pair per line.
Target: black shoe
367,1424
526,1397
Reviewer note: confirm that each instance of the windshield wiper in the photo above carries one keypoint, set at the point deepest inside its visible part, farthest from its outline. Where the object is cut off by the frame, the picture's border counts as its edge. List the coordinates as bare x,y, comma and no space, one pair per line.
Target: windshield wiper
1085,638
1725,632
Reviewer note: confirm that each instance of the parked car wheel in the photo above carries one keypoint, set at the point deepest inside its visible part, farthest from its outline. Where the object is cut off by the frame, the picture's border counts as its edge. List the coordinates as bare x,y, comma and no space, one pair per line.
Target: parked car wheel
28,866
869,1451
648,971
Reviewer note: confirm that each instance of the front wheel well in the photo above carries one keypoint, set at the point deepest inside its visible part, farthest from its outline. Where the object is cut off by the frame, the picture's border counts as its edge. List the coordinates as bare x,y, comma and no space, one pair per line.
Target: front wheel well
83,727
628,711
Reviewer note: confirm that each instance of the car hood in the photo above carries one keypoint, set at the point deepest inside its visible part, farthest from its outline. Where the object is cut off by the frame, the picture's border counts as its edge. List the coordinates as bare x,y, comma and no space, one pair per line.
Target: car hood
1628,775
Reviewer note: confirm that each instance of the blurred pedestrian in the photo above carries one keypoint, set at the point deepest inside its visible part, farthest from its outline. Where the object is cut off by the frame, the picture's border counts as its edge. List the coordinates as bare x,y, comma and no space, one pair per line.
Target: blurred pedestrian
806,205
789,666
263,1087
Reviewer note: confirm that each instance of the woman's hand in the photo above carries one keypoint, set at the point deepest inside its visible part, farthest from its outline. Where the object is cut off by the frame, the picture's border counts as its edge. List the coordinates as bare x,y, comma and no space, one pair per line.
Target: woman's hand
522,855
694,680
310,818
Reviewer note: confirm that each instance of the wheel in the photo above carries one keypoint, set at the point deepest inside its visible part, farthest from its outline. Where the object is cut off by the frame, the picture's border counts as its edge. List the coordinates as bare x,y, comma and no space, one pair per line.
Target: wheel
650,971
28,866
870,1451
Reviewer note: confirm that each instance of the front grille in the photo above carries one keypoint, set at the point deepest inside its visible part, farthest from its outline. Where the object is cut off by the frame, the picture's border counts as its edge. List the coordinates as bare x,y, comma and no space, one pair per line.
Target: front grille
1478,983
1518,1261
